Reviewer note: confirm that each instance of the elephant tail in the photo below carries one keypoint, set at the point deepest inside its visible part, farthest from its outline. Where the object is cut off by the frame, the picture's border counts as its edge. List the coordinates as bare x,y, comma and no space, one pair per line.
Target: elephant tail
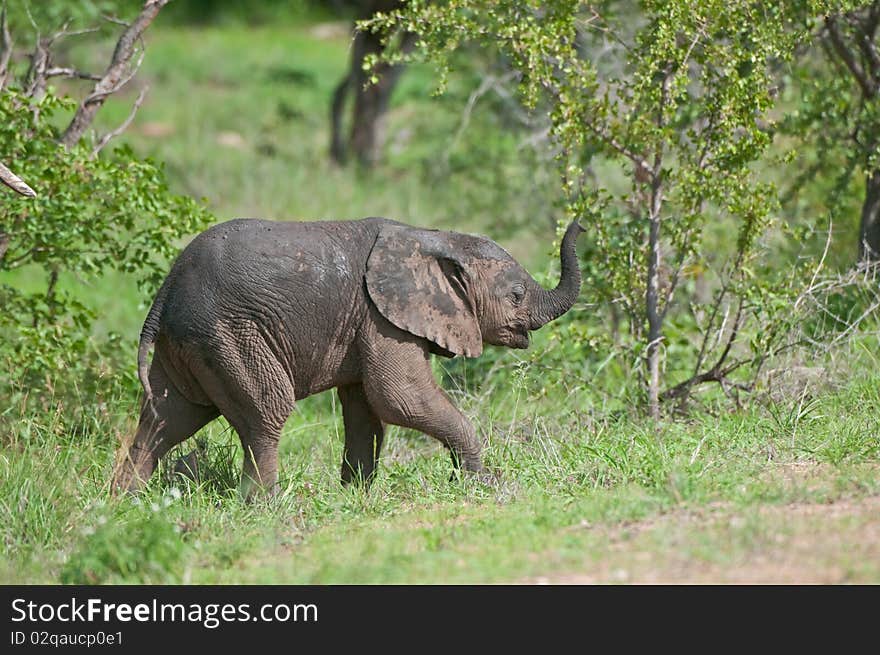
148,338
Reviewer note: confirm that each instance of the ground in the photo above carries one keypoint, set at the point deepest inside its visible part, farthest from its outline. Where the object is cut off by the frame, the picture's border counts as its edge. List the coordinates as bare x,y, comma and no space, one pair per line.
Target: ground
800,543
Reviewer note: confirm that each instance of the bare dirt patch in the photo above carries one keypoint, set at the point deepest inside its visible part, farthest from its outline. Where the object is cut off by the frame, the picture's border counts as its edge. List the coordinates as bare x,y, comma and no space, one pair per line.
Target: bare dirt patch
802,543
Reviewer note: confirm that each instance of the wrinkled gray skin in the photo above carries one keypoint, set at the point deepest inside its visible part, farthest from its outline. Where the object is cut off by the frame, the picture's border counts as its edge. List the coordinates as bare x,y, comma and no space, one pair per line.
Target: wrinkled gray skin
256,314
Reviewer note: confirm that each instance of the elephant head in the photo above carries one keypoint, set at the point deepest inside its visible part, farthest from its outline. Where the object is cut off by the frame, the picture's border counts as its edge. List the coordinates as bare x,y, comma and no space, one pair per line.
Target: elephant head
460,291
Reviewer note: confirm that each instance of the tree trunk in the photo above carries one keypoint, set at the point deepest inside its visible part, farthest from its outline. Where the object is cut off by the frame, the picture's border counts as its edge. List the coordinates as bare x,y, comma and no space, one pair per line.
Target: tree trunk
652,301
371,105
338,148
869,231
370,100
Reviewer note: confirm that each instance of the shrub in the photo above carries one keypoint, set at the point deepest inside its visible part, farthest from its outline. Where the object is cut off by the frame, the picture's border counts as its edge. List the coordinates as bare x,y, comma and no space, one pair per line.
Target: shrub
92,215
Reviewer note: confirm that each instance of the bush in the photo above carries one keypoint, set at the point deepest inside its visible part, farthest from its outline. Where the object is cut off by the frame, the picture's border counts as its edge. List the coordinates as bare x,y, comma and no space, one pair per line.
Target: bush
92,215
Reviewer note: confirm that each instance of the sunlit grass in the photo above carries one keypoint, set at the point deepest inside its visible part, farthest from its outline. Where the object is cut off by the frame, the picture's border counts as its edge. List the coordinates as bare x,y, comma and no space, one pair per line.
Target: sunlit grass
555,470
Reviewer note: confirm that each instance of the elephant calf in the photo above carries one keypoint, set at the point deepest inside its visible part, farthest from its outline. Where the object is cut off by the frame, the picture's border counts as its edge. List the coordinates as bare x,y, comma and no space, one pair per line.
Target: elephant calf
255,314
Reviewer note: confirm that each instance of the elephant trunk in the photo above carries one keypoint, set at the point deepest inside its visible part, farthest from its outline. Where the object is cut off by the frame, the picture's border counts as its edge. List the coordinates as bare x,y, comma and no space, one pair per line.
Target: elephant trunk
552,304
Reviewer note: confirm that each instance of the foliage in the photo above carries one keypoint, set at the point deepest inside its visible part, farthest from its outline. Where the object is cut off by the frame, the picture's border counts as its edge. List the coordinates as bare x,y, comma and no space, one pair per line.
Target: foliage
678,98
92,215
835,121
586,486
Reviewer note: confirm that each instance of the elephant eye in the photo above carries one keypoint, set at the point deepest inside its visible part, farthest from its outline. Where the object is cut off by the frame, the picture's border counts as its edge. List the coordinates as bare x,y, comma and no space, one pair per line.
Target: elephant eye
517,295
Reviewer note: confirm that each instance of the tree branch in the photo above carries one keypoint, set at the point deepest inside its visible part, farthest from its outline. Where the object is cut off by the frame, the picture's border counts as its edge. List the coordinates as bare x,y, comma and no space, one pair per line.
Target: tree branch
70,72
868,48
118,73
122,126
638,161
40,69
15,183
847,56
488,83
673,282
35,77
5,47
64,32
714,374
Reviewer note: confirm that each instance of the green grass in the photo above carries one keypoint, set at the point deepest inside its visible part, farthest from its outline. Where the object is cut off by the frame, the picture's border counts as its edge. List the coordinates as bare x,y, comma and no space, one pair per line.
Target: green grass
247,127
558,468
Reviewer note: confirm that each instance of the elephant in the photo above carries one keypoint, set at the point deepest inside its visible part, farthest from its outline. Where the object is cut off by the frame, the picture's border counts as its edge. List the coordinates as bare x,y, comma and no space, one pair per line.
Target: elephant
256,314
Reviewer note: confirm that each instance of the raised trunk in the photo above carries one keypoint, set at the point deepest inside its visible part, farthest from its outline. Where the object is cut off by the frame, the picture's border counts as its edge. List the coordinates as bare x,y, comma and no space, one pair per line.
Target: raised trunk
869,231
553,304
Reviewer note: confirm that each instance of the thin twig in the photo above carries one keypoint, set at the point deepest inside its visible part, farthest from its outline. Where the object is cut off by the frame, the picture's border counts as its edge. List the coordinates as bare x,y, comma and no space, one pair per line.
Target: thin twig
607,31
485,86
118,73
121,83
821,261
734,332
36,73
122,126
70,72
115,20
852,326
603,135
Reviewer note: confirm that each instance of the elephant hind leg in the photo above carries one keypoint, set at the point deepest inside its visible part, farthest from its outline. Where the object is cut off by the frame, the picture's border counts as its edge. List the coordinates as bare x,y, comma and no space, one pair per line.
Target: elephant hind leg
260,471
363,436
252,389
258,424
165,421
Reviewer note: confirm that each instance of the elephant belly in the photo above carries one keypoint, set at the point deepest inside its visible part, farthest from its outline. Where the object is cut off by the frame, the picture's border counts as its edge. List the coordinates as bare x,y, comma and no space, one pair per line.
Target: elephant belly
329,360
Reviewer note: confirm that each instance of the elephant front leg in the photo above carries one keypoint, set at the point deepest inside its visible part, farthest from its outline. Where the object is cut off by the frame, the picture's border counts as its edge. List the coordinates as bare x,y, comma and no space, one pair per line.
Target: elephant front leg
401,389
363,436
415,401
432,412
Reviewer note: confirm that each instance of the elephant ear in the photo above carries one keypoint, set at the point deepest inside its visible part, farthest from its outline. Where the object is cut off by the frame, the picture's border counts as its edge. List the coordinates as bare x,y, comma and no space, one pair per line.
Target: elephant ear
420,286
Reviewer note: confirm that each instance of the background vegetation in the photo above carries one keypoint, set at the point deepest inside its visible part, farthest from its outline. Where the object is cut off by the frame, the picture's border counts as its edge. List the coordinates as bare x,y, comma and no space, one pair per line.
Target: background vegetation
761,267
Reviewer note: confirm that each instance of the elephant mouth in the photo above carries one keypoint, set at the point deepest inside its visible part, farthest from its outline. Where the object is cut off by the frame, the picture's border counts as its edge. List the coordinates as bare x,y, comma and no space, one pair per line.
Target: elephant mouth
518,337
